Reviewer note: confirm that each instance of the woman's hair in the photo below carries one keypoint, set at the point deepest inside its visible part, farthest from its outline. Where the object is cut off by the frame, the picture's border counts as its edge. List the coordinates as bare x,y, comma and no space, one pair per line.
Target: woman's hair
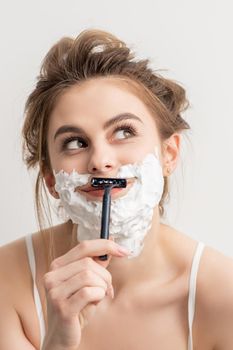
95,54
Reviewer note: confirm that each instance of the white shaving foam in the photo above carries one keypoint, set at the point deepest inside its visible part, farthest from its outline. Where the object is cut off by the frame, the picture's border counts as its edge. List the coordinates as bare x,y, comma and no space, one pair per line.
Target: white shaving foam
131,215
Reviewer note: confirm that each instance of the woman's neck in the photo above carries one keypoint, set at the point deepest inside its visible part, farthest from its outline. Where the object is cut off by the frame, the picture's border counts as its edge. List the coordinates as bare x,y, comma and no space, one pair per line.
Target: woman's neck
152,263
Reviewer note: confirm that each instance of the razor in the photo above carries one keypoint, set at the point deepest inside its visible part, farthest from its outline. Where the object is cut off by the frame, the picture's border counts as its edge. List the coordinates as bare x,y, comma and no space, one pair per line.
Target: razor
107,184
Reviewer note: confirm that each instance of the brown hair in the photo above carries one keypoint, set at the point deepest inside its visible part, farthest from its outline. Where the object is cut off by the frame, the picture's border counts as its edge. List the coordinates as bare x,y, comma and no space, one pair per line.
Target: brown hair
95,53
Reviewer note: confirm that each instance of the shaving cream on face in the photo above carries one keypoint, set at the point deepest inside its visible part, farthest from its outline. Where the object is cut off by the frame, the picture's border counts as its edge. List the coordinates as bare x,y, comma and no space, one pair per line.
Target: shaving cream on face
131,215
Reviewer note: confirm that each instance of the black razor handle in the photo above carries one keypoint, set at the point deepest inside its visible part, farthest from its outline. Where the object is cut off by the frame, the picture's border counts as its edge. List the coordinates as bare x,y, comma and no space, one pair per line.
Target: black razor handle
106,207
107,184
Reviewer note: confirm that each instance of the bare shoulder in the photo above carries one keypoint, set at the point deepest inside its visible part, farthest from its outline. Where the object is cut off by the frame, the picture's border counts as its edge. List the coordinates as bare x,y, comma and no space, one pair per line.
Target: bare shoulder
13,260
217,268
215,297
213,319
215,278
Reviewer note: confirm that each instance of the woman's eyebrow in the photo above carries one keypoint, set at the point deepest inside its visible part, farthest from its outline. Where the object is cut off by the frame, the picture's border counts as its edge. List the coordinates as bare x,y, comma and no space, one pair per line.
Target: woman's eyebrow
119,117
67,128
114,120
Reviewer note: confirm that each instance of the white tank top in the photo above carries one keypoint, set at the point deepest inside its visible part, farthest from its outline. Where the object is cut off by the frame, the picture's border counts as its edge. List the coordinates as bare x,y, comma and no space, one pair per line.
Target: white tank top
191,297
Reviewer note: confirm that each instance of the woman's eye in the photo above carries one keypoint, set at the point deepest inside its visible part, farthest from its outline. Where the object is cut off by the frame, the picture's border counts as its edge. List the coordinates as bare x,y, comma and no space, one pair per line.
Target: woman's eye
75,144
124,133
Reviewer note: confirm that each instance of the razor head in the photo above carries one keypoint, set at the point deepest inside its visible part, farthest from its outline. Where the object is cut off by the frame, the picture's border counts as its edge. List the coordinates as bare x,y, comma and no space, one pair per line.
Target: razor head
101,182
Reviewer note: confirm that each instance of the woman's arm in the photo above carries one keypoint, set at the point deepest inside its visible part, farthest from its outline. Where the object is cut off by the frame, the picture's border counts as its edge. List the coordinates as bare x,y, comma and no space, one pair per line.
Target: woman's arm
216,299
223,306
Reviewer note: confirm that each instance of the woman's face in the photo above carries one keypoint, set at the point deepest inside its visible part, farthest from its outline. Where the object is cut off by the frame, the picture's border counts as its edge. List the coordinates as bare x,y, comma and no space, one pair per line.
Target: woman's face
99,126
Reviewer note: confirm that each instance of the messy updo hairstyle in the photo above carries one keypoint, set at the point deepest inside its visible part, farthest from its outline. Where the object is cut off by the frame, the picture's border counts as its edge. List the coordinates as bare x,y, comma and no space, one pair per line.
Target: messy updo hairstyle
95,54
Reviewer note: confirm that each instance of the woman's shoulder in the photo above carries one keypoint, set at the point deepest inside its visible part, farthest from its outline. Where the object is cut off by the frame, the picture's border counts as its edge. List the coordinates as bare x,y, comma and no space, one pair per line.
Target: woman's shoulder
211,259
15,252
215,268
12,259
14,262
215,276
14,255
214,291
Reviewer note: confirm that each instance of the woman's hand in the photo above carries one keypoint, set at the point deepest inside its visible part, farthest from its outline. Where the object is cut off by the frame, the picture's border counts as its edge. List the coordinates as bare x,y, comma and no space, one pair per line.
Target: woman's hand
75,283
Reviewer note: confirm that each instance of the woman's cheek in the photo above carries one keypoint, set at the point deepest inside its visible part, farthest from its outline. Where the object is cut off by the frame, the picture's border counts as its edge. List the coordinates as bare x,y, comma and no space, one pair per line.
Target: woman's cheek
69,164
137,154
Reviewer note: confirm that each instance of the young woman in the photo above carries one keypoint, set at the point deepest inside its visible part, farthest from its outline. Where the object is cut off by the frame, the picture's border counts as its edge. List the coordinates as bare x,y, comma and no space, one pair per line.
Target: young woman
96,111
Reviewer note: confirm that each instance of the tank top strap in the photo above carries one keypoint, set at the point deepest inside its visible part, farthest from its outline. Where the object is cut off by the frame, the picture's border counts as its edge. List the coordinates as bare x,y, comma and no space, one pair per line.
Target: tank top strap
192,290
32,264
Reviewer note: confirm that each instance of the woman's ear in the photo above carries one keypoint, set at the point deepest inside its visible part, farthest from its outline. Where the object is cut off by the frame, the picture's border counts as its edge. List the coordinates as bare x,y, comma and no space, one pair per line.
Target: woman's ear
50,182
171,151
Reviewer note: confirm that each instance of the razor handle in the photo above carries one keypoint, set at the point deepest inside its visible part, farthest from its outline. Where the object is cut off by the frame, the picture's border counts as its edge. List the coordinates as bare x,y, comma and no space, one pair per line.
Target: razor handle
107,184
106,206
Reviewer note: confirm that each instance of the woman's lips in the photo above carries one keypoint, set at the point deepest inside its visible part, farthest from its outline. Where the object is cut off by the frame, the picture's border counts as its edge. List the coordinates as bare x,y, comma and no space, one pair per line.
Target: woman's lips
100,193
90,192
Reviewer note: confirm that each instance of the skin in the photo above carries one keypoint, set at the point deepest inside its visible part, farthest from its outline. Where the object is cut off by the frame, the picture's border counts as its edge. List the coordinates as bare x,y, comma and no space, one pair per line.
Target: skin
151,291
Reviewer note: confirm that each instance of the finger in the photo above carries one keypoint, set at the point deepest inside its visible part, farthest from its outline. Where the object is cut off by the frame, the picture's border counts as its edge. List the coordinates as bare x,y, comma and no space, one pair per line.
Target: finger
84,297
92,248
104,263
89,311
84,279
63,273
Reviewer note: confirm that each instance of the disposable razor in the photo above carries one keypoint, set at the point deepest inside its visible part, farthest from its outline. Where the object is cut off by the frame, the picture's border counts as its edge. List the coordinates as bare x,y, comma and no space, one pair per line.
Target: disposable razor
107,184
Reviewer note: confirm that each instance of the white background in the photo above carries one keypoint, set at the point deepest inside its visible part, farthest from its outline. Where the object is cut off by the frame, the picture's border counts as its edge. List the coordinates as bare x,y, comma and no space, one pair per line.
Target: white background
192,40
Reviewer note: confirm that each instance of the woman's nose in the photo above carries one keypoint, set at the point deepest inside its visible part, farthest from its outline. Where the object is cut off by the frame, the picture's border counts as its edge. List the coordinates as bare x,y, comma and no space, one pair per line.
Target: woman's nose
101,161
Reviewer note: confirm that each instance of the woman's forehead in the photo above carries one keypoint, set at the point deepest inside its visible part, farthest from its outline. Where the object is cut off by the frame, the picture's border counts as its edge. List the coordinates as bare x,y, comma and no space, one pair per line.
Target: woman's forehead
99,99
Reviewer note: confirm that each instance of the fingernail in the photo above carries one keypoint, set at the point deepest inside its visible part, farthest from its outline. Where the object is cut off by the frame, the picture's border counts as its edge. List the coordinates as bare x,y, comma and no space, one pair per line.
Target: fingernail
112,292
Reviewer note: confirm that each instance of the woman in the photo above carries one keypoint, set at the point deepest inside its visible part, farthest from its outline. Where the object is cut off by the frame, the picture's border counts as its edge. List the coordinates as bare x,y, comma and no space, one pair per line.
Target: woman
97,112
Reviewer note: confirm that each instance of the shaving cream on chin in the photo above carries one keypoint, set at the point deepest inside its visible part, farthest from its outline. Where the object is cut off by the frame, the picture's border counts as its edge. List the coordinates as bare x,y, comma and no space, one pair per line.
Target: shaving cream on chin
131,215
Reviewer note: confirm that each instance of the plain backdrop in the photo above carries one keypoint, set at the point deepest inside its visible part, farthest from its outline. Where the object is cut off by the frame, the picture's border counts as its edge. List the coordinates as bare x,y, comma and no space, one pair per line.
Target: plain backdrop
190,40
